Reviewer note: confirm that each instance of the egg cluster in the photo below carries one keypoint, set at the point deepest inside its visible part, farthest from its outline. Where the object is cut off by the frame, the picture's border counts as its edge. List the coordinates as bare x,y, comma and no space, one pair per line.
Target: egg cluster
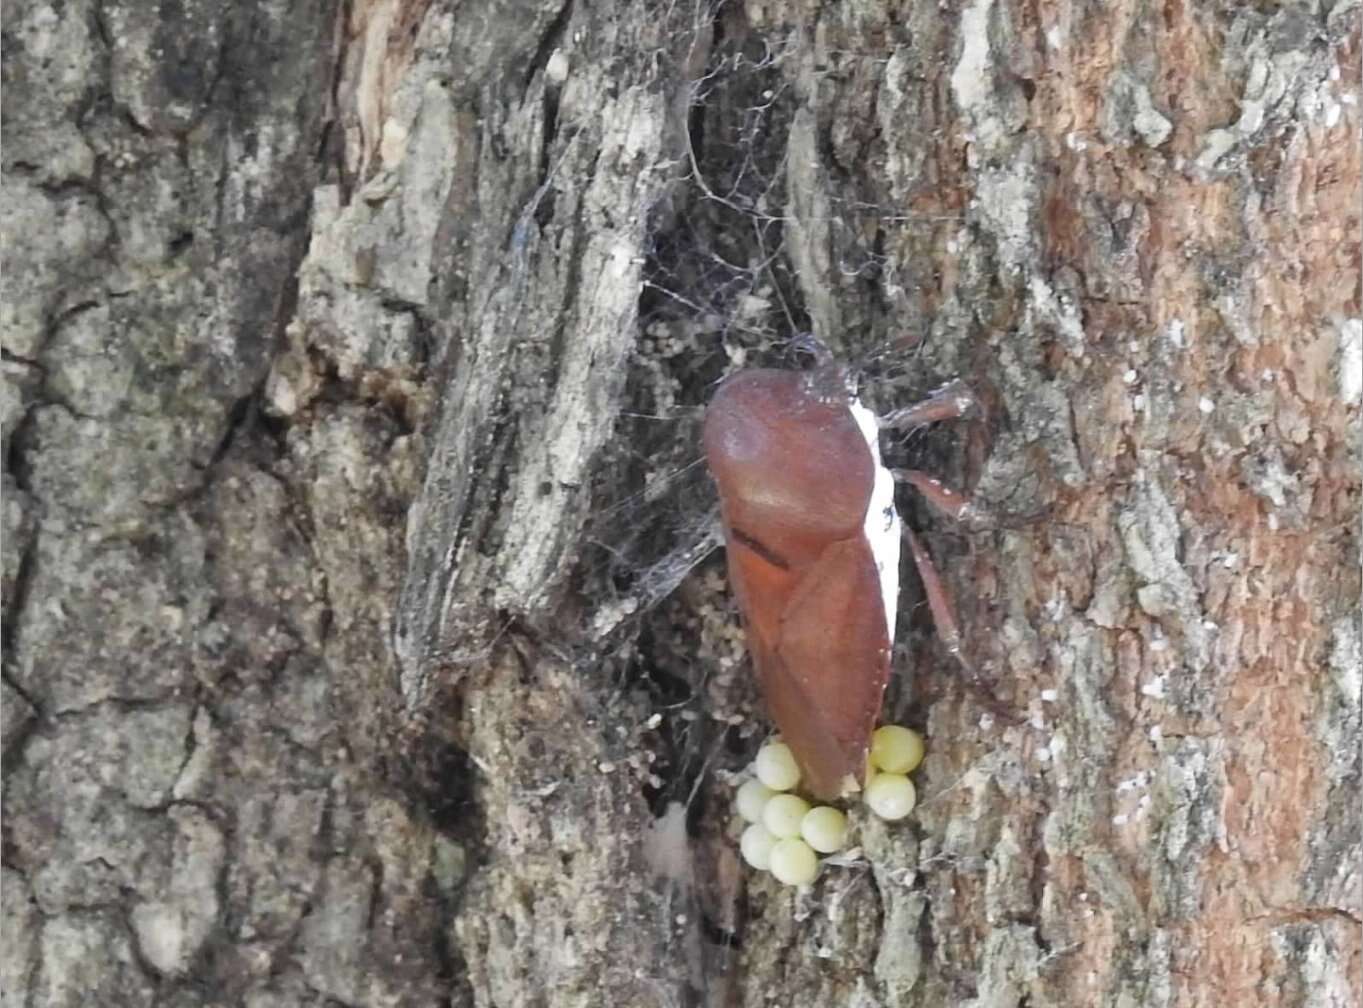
785,831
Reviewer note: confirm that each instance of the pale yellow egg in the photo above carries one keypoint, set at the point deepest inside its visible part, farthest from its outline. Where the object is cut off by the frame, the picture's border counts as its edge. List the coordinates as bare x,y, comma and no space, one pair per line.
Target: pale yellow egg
824,828
755,845
890,795
776,767
793,862
896,749
783,814
751,798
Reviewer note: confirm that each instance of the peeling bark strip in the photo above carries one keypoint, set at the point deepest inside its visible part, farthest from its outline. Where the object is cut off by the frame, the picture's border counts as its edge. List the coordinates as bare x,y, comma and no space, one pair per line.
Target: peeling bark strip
353,361
556,299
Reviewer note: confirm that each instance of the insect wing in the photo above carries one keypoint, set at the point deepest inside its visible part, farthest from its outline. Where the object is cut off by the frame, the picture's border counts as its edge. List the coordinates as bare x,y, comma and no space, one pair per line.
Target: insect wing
832,663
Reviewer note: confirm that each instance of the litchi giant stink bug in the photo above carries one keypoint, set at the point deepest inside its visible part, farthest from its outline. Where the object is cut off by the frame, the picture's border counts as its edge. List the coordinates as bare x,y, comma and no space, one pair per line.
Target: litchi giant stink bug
813,544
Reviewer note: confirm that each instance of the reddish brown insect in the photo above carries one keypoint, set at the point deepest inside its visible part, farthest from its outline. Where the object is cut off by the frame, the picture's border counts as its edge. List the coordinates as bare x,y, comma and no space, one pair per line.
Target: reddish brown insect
812,539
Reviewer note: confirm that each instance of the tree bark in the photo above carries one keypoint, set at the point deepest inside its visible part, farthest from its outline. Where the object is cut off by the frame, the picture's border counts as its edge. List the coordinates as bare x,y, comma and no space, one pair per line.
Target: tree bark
366,638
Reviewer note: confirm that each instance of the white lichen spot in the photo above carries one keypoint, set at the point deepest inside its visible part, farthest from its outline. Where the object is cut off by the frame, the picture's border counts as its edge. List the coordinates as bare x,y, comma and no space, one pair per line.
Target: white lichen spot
279,393
556,68
1061,310
1351,360
750,306
1152,126
1156,733
621,260
393,142
1205,405
171,930
1346,658
667,848
1120,819
972,77
1007,199
1048,696
1130,377
1217,143
1139,780
1154,688
610,615
161,936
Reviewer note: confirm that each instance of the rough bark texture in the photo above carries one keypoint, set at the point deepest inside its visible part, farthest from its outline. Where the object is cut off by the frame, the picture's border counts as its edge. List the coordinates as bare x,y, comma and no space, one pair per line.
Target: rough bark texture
364,640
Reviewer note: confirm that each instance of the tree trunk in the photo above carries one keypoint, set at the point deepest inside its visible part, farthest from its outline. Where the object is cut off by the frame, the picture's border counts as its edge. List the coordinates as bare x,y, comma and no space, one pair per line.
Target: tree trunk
366,639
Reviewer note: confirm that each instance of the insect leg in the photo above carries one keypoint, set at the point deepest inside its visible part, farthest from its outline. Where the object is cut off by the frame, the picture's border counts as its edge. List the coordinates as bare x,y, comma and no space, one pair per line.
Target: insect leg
952,400
960,508
948,630
939,599
952,503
